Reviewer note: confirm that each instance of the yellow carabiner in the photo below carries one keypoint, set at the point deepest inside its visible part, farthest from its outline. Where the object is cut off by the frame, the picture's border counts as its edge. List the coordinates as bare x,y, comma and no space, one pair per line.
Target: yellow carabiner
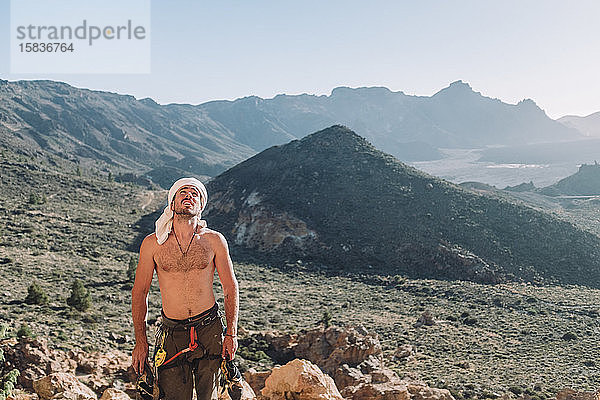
161,354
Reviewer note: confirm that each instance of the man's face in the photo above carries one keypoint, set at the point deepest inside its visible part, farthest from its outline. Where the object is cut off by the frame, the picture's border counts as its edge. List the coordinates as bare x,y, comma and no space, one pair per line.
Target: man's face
187,201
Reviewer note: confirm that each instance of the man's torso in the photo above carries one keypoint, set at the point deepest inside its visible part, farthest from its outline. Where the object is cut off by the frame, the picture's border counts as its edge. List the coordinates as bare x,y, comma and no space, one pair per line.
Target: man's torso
186,280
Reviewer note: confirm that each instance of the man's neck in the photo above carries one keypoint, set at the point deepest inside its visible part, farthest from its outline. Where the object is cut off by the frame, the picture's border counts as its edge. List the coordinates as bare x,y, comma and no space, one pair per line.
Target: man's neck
185,225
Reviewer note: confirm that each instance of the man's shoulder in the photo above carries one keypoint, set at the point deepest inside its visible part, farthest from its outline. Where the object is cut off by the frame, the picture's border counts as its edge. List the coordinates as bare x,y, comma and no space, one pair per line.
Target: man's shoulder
150,241
212,234
215,237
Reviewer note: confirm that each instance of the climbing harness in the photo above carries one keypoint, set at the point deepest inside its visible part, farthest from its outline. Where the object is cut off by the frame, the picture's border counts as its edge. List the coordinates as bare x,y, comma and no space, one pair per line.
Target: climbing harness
161,354
231,377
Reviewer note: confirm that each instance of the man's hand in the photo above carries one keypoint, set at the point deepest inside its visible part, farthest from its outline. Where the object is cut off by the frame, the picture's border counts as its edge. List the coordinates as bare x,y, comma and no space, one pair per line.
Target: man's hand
139,357
230,346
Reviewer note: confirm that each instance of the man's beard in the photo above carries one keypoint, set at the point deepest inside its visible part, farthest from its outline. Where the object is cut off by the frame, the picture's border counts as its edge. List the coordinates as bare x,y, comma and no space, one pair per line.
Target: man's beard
186,212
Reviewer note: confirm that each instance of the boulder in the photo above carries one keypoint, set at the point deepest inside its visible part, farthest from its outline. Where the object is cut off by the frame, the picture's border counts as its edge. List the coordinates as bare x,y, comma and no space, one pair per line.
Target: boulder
300,380
425,319
404,352
102,369
114,394
570,394
424,392
255,379
349,376
335,346
61,385
33,358
379,391
22,395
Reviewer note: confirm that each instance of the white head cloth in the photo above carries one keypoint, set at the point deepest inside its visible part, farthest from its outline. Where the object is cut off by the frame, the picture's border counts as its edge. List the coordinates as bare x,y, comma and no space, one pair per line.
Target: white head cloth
164,223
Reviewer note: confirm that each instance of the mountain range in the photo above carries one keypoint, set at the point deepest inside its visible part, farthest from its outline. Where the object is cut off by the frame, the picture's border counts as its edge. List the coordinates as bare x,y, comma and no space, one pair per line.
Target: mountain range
118,133
588,125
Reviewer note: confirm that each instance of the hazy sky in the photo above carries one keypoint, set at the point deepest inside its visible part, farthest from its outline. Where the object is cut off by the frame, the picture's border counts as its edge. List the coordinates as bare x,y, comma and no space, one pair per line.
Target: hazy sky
544,50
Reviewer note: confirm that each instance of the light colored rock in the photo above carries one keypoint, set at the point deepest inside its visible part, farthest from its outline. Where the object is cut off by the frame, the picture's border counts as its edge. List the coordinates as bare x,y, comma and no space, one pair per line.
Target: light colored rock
349,376
379,391
22,395
255,379
114,394
61,385
384,375
570,394
102,368
33,358
423,392
404,351
300,380
335,346
425,319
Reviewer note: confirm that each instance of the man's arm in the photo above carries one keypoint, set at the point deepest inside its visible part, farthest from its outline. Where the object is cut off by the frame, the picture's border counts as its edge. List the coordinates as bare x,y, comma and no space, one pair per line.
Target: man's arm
139,302
230,291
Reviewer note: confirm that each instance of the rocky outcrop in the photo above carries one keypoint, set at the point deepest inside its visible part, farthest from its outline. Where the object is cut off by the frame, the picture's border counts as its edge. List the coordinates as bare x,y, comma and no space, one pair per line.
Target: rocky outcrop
114,394
34,359
333,347
61,385
258,225
570,394
300,380
353,357
256,380
55,369
424,392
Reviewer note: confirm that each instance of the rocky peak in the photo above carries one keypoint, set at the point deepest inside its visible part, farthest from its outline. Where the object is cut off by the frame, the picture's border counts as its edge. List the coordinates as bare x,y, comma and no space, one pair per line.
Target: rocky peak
456,88
529,105
373,91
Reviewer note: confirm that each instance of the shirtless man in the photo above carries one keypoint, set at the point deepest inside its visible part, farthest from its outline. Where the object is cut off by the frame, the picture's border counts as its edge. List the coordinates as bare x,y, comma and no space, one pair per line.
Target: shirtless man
185,254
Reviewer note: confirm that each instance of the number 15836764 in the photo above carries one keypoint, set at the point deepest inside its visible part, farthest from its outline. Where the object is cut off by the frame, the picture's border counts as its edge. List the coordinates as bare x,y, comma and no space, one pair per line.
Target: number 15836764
46,47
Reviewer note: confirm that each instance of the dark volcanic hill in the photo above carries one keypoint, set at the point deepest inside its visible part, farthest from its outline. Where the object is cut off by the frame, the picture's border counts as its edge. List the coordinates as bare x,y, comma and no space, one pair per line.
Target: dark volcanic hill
585,182
334,199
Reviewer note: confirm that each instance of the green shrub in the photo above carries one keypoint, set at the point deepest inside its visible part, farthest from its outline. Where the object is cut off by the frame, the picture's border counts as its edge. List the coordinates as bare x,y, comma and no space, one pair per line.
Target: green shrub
8,383
36,295
131,268
326,319
24,331
80,298
35,198
516,390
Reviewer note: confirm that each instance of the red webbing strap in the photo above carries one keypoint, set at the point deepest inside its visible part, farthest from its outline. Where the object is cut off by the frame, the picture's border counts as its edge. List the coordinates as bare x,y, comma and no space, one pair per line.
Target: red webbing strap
191,347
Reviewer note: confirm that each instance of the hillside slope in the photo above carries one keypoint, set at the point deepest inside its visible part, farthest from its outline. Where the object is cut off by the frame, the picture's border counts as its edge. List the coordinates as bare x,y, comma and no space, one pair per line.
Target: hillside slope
585,182
333,198
110,130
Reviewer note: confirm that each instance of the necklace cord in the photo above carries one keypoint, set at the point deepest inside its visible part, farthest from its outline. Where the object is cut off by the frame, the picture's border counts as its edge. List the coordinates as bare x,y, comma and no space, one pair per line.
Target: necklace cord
184,253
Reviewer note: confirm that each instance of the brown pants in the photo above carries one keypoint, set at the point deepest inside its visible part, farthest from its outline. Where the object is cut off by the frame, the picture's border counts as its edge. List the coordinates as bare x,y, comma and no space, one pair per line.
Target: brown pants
199,368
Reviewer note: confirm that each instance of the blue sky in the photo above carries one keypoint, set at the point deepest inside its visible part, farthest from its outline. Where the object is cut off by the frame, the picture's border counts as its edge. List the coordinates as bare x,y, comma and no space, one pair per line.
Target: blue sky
544,50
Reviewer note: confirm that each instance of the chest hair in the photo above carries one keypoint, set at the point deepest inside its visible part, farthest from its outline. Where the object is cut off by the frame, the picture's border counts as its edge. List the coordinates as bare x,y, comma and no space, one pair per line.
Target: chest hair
170,259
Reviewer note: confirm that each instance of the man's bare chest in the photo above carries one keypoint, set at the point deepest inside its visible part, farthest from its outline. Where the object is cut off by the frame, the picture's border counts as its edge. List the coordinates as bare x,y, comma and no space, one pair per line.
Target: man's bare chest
170,258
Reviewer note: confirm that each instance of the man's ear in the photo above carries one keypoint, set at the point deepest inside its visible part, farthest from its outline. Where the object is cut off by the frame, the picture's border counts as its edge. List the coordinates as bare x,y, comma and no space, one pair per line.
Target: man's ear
172,205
